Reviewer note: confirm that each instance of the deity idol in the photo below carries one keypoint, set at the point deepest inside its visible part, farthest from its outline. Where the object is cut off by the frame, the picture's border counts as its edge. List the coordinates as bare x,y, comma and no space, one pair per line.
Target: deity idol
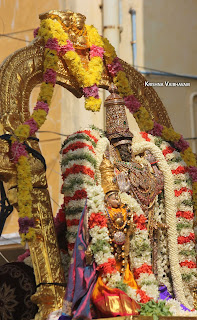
110,252
109,232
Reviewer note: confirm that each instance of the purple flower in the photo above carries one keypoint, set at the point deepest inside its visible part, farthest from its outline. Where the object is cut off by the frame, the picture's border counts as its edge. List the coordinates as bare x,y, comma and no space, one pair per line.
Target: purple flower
52,44
181,144
132,103
25,223
91,91
50,76
42,105
18,150
36,32
157,129
193,173
65,48
33,125
96,51
115,67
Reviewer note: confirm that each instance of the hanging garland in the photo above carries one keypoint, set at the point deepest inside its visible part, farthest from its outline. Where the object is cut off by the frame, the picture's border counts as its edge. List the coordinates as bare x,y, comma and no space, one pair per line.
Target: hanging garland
143,118
57,44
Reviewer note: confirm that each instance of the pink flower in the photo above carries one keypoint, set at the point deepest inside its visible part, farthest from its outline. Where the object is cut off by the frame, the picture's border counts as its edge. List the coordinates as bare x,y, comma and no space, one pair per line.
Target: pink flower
91,91
36,32
67,47
42,105
193,173
115,67
52,44
96,51
23,256
50,76
132,103
181,145
157,129
33,125
18,150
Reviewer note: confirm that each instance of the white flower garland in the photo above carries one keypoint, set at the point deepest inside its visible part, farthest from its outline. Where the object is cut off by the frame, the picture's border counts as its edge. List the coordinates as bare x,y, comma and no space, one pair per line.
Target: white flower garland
170,217
182,189
147,282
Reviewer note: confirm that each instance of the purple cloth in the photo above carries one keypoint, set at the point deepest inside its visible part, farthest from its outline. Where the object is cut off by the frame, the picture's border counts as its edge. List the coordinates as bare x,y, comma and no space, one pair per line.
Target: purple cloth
81,278
165,295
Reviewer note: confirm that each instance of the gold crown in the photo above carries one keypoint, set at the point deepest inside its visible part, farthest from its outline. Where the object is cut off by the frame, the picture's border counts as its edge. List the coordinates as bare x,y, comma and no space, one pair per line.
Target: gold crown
108,180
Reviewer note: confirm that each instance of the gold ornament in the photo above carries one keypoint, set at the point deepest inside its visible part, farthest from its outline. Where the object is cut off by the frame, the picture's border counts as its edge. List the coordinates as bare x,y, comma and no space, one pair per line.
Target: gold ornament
116,120
108,182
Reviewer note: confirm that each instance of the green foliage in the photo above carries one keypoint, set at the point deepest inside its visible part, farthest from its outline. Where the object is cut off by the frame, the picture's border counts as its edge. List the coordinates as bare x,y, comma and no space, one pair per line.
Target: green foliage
140,248
78,136
188,203
98,246
74,210
73,182
102,133
179,181
122,286
158,141
188,252
183,225
178,159
187,276
155,309
84,156
148,283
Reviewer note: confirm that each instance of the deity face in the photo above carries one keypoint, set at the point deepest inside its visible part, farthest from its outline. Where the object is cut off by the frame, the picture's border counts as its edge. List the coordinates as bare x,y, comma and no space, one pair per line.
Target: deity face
113,200
79,20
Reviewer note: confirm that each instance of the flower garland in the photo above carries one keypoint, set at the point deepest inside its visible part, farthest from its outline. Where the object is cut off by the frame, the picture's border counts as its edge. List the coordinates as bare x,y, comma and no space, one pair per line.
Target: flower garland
89,78
184,214
143,118
78,171
57,44
170,208
106,263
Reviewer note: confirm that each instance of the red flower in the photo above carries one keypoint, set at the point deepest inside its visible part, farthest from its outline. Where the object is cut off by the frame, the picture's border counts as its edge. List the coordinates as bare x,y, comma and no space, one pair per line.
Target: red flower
143,296
97,219
88,132
183,189
167,150
185,214
140,221
71,246
78,145
143,269
189,264
78,195
78,168
145,136
108,267
189,238
61,214
180,169
72,222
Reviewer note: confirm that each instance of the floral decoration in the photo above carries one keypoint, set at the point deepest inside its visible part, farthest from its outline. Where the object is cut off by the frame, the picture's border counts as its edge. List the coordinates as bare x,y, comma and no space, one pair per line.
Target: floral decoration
181,195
